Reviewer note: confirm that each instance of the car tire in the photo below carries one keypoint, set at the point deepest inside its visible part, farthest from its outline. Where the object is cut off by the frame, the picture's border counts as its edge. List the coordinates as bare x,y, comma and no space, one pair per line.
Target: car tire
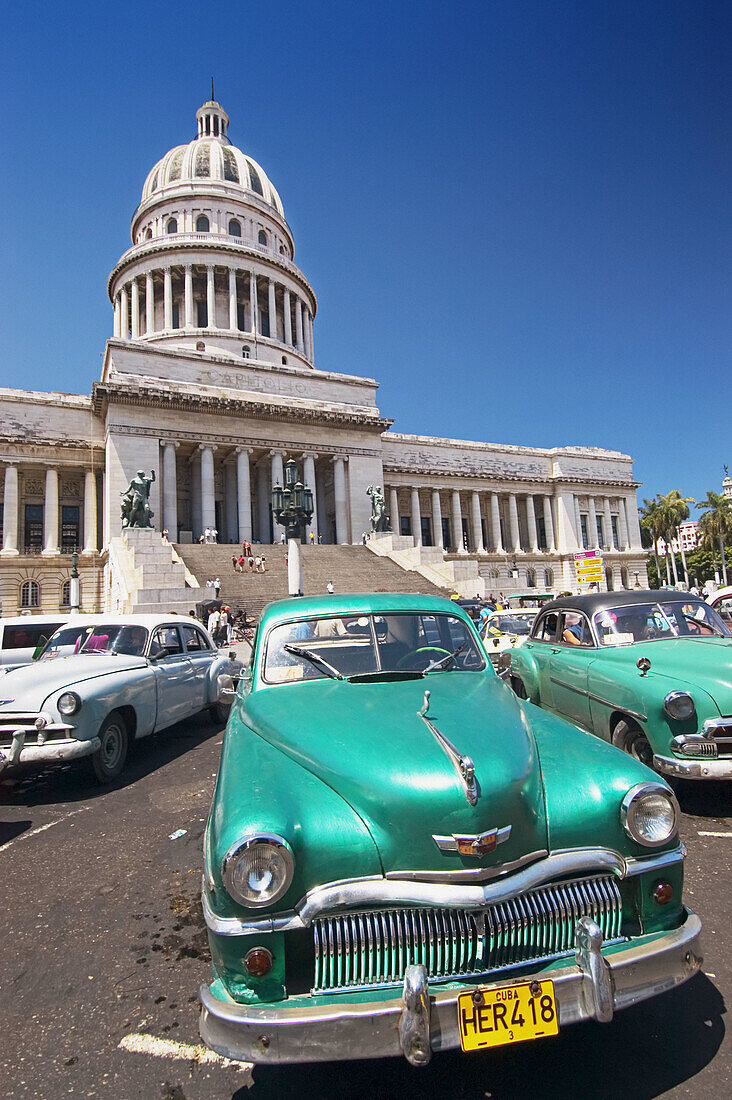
631,739
220,712
518,686
109,760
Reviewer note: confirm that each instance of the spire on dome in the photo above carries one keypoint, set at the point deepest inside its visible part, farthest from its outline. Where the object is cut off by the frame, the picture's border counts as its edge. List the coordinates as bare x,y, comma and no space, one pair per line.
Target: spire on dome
212,119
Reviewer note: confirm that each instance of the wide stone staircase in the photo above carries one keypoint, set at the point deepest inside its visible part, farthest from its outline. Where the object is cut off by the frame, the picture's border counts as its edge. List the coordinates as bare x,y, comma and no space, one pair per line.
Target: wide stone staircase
350,568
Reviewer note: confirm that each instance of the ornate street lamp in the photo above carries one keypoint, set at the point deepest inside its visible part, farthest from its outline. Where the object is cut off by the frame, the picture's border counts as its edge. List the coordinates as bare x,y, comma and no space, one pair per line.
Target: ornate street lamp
74,595
292,507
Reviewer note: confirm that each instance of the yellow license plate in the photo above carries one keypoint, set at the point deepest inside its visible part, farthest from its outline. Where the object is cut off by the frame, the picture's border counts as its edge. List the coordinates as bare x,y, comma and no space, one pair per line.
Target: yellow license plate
507,1014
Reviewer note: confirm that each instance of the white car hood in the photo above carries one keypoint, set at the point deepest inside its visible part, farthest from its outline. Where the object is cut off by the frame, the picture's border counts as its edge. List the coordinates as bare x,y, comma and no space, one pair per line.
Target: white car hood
27,688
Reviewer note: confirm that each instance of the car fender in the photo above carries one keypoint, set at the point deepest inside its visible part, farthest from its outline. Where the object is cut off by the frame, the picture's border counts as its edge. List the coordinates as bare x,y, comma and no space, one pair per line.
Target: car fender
526,667
129,688
220,666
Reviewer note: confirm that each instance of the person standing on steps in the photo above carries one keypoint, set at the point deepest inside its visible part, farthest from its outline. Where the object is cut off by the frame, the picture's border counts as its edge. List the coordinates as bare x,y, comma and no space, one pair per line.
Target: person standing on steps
217,587
329,588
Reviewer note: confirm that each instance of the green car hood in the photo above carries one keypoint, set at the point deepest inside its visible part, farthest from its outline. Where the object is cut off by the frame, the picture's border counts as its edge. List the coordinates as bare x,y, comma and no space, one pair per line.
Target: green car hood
368,742
694,663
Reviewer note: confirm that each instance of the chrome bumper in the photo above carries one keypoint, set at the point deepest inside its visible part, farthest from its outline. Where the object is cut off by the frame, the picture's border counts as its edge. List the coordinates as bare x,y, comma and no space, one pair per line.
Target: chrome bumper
704,768
590,988
49,753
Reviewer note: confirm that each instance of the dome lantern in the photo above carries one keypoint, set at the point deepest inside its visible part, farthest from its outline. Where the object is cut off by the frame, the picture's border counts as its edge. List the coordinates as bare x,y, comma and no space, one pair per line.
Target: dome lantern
212,120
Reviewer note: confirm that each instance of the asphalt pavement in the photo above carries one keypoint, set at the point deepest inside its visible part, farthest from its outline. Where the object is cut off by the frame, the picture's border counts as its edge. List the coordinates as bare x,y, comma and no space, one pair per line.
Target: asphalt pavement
104,949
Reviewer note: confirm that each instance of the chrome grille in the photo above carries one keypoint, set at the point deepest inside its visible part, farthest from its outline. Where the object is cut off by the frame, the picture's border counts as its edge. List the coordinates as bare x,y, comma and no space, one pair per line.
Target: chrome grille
699,748
374,947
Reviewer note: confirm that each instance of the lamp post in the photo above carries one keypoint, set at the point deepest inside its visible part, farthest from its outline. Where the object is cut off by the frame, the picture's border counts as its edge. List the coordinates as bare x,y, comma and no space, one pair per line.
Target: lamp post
74,585
292,506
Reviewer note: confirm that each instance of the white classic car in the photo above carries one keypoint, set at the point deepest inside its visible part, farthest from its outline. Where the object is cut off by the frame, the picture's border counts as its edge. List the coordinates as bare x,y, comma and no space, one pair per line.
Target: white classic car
104,680
502,631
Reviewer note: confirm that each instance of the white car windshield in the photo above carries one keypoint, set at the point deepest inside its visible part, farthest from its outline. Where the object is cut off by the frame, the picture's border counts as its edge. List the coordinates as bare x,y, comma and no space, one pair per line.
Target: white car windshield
369,645
648,622
514,622
115,638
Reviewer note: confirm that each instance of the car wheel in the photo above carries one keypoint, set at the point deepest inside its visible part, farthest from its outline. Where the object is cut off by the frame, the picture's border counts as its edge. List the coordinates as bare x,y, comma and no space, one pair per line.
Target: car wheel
518,687
109,759
631,739
220,712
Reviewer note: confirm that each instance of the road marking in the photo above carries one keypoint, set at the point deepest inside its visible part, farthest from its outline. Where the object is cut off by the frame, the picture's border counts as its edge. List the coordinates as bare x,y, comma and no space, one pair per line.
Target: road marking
729,833
42,828
140,1043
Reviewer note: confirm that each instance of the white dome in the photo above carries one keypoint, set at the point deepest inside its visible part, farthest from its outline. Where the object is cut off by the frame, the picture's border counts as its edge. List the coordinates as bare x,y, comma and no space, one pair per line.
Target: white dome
211,157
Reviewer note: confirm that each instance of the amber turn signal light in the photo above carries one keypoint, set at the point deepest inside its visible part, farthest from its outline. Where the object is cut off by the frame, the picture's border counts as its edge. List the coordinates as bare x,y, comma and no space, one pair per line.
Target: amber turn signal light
663,891
258,962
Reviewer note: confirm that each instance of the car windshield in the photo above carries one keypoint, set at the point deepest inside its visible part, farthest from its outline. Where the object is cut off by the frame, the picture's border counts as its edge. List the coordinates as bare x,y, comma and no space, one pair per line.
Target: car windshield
114,638
514,622
369,645
644,622
64,642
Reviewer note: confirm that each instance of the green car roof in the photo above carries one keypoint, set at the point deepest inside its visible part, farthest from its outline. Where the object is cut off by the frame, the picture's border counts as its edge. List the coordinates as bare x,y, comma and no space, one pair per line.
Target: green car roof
362,603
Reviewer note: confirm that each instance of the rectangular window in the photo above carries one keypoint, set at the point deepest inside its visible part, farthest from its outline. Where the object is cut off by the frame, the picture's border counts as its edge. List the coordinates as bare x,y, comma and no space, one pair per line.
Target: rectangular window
69,527
584,520
201,314
426,531
264,320
541,532
241,317
405,525
446,532
34,527
614,524
600,533
176,315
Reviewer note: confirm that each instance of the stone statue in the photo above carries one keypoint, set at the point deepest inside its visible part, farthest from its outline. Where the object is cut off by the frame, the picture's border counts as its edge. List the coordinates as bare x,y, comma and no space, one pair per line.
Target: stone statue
379,518
135,501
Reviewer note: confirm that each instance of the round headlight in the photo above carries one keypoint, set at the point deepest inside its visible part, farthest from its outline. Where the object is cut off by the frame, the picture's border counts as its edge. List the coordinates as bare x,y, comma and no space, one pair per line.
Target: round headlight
258,870
679,705
68,703
650,814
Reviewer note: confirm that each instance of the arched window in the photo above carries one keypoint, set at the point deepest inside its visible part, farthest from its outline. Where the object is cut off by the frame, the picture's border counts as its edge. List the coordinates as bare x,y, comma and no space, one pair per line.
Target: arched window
30,594
624,576
262,237
283,250
530,578
174,168
203,162
231,171
66,594
254,181
609,580
284,360
172,226
245,351
148,234
548,578
202,224
234,228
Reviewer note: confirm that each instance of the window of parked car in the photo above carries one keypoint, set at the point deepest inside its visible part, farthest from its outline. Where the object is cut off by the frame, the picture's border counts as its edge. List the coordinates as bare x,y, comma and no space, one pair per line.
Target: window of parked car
195,641
545,628
653,621
26,637
115,638
166,638
574,629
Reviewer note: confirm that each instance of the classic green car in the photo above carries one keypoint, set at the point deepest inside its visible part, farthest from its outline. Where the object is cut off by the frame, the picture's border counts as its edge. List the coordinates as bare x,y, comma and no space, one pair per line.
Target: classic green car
649,671
402,857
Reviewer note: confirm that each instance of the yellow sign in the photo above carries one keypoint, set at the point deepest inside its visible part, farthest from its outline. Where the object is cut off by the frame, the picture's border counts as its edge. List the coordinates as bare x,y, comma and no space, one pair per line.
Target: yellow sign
507,1014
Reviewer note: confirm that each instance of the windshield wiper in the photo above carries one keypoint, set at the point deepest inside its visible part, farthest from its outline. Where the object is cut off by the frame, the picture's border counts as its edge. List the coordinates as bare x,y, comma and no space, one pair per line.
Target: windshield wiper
443,662
315,659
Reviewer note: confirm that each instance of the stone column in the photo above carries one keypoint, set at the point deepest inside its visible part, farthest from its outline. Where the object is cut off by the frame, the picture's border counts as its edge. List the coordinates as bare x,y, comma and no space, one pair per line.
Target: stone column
548,524
231,523
124,314
531,523
437,519
264,498
278,476
170,489
287,317
416,518
622,525
609,545
208,487
233,312
244,493
272,308
308,473
50,514
210,298
117,317
196,525
168,298
578,522
188,296
135,310
341,504
477,525
10,513
149,304
513,523
633,522
306,333
312,345
298,324
566,538
457,523
496,524
90,513
592,524
253,309
396,527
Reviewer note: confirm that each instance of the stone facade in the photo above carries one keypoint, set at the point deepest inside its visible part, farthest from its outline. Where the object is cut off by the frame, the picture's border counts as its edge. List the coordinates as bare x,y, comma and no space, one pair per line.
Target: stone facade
209,380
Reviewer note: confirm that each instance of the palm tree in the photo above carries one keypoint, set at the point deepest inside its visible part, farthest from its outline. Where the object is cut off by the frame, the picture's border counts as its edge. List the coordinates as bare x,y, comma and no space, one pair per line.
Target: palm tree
651,522
715,525
674,510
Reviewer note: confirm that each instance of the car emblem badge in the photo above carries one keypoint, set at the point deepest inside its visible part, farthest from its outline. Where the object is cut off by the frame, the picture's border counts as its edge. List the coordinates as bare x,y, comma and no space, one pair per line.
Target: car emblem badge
477,844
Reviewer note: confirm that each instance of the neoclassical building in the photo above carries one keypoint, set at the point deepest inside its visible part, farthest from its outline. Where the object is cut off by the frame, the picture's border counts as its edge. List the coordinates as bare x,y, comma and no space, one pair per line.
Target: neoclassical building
210,380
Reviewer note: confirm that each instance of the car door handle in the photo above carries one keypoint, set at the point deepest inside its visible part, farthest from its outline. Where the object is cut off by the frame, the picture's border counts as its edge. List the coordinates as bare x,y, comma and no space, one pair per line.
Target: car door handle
557,650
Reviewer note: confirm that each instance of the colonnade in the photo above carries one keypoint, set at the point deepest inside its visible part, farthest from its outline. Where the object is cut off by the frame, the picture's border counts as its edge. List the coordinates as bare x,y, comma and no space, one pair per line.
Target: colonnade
243,301
51,541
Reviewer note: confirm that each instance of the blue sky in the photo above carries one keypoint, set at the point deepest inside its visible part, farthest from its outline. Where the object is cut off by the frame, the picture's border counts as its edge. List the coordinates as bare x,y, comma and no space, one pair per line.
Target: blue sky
515,215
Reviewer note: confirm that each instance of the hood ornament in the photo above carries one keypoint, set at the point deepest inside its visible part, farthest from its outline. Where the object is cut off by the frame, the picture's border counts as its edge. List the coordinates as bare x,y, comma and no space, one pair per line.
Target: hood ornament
463,764
475,844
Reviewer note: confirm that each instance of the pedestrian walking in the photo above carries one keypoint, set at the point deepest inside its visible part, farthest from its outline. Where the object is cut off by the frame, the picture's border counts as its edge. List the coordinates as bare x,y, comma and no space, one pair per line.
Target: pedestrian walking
257,563
251,564
312,538
217,587
233,562
261,563
329,588
241,562
213,622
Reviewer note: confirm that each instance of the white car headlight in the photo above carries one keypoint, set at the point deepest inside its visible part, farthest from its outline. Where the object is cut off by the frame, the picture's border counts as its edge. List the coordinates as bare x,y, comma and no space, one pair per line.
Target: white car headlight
68,703
650,814
679,705
258,870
